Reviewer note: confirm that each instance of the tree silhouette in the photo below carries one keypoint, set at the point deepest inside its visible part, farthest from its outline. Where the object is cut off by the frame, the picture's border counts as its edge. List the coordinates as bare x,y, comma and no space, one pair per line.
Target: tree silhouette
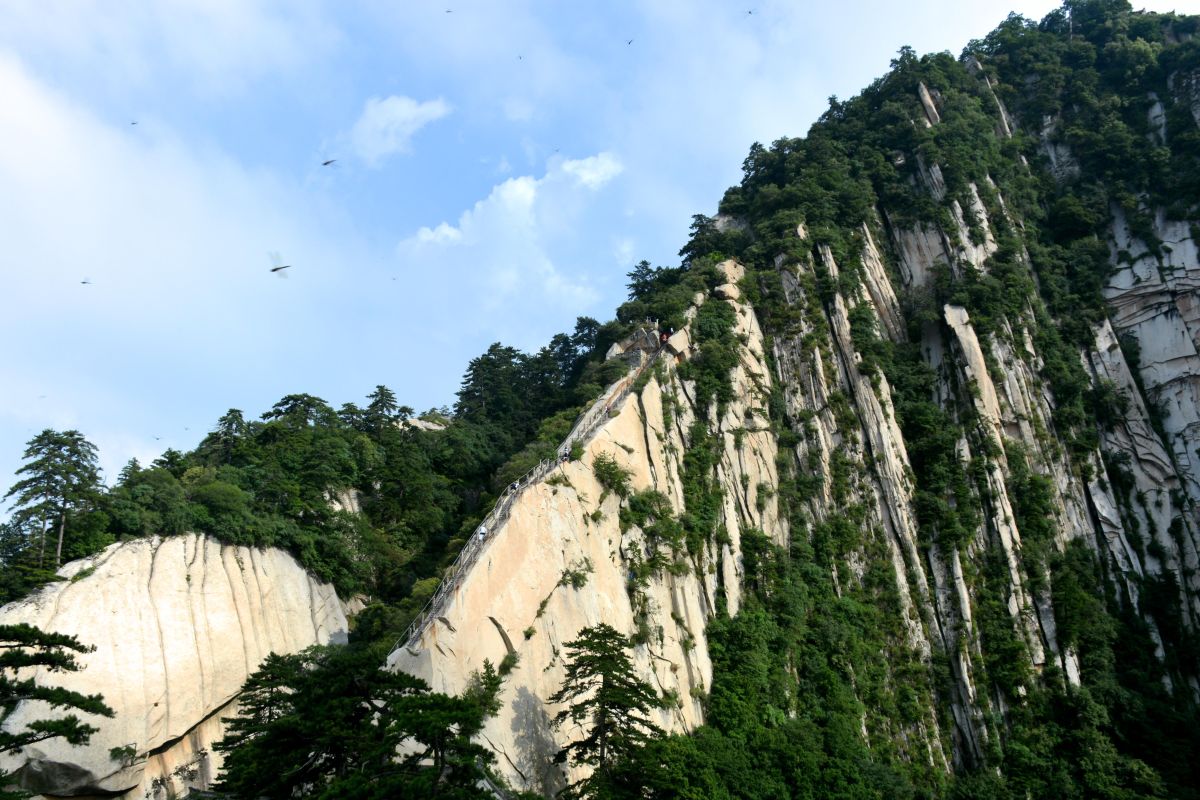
62,477
23,647
605,697
329,722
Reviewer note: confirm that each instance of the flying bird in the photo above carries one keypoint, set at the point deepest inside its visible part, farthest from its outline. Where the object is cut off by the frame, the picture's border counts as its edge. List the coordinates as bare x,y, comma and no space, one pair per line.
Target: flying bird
327,163
134,122
278,266
630,41
86,281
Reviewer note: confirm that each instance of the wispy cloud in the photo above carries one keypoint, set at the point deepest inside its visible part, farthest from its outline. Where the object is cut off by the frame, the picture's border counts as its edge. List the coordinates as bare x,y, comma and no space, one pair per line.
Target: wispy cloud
388,124
512,255
217,47
594,171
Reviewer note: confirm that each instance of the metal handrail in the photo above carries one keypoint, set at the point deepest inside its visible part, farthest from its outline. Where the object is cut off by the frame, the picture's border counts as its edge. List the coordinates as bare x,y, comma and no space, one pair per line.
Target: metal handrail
585,427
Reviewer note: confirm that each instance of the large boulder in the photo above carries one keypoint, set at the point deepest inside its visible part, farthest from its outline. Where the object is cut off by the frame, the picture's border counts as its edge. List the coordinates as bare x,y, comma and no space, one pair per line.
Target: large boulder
178,624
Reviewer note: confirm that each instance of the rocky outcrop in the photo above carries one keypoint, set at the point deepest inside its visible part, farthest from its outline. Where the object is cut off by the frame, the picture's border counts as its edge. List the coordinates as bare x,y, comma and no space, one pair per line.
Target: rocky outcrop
178,624
563,560
1132,499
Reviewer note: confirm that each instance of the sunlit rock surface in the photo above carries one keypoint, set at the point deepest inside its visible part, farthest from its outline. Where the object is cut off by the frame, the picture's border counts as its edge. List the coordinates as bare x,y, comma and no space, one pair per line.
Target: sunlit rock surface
178,624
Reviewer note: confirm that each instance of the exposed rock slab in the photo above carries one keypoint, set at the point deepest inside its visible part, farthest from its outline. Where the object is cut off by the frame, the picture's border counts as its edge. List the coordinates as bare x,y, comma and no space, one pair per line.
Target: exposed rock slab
518,598
178,624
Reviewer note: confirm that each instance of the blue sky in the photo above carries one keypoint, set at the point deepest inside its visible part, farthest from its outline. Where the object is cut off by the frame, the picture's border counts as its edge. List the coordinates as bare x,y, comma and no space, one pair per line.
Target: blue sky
500,167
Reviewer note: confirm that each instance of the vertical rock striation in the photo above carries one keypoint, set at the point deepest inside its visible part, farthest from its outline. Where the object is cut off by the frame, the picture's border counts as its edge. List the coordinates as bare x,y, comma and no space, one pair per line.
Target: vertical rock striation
564,559
178,624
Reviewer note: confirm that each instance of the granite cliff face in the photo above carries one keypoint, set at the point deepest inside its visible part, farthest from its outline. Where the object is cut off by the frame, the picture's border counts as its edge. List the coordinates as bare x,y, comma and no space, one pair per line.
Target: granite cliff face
967,549
1131,500
993,492
564,559
178,624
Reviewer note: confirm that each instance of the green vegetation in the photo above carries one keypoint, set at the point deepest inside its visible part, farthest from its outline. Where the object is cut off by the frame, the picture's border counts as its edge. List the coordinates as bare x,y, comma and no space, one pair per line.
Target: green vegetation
820,687
783,717
23,648
611,475
605,697
576,574
329,722
61,489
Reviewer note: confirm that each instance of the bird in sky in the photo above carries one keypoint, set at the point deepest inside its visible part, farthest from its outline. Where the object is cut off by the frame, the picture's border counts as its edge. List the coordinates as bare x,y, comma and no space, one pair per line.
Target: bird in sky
278,266
134,122
327,163
86,281
630,41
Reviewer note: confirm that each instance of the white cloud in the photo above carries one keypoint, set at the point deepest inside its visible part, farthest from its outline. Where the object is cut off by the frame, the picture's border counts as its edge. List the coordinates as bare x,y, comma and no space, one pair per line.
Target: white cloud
442,234
387,125
594,171
623,249
515,255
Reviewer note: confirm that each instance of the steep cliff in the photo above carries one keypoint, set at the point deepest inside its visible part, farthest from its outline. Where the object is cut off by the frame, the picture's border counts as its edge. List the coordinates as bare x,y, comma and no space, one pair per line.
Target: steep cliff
903,503
964,413
177,623
985,320
570,553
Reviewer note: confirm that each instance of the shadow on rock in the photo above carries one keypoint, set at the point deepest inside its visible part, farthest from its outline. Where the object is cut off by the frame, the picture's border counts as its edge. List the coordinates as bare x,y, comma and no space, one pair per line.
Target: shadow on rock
535,745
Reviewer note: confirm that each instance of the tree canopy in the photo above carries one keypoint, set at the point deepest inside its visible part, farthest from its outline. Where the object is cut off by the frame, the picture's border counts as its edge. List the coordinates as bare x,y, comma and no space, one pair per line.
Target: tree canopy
329,722
23,648
609,703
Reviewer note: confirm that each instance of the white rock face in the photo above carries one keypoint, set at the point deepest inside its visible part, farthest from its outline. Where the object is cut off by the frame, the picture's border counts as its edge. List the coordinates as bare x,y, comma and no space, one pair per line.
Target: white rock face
817,380
178,624
516,598
932,117
1154,297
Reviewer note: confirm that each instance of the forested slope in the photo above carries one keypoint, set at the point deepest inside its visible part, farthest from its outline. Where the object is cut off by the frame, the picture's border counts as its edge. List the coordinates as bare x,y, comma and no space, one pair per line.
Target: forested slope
979,279
975,286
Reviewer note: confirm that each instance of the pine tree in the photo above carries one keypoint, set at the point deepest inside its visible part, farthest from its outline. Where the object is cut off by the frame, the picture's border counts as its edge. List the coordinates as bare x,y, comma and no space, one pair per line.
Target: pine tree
604,696
23,647
62,477
329,722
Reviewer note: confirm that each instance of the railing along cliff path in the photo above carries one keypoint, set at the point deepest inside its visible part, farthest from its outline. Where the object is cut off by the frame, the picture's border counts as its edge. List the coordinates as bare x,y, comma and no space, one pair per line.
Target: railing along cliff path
585,427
